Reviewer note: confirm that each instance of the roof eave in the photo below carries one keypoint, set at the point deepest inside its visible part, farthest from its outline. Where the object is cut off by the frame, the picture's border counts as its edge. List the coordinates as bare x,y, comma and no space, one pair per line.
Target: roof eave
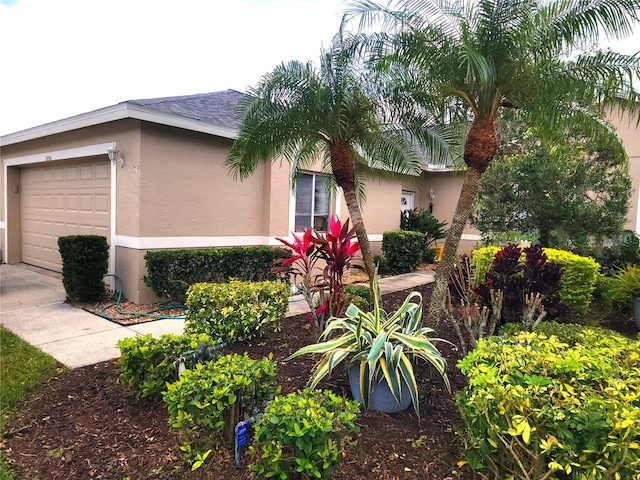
117,112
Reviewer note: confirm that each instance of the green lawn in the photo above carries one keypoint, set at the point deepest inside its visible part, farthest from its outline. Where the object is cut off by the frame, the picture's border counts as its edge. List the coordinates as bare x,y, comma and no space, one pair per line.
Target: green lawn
22,368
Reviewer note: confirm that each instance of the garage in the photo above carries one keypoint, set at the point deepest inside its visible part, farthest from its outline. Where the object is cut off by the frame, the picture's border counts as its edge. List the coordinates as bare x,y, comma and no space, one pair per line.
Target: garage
58,199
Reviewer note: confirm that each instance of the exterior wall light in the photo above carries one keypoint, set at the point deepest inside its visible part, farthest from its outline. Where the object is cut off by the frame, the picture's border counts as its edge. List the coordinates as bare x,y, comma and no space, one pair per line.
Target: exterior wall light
115,156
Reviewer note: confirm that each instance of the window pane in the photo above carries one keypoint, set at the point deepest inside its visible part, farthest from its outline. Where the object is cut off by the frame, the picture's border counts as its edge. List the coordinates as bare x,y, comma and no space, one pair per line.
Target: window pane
321,198
303,203
303,195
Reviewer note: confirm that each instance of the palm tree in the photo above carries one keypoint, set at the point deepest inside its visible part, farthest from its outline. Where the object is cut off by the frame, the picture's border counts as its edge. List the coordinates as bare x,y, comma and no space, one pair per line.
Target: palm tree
484,56
334,114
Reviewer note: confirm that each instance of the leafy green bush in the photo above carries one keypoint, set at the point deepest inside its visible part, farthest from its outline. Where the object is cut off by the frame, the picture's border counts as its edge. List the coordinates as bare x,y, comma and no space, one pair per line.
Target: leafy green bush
200,401
304,432
429,255
382,263
578,274
85,262
537,407
359,295
236,311
578,278
171,272
568,333
423,221
146,362
625,287
403,250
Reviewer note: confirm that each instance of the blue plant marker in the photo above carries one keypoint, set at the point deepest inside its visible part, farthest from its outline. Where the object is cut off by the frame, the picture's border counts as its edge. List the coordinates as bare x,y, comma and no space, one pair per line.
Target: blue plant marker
241,438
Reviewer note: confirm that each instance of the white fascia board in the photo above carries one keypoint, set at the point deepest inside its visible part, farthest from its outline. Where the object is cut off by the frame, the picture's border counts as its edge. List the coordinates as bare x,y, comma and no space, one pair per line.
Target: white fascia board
78,152
113,113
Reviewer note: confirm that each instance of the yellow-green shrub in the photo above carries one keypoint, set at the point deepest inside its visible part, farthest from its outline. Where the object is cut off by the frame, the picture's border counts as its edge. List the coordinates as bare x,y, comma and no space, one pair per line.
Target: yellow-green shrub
236,311
578,277
302,435
538,405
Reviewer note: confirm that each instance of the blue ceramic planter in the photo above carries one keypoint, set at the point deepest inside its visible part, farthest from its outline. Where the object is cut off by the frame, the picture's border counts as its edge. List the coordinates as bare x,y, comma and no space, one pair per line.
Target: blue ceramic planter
380,397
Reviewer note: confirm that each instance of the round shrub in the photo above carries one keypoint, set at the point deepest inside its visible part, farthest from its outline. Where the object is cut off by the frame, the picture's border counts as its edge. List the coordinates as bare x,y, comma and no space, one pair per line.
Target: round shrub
538,407
304,432
236,311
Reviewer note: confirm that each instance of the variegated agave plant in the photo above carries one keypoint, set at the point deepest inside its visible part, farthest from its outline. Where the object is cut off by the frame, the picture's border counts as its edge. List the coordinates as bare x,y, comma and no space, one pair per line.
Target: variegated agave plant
385,347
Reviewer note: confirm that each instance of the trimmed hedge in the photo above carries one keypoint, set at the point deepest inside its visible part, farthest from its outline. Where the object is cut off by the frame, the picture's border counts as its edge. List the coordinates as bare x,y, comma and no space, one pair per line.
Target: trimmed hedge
576,284
403,250
236,311
85,262
146,362
172,272
538,407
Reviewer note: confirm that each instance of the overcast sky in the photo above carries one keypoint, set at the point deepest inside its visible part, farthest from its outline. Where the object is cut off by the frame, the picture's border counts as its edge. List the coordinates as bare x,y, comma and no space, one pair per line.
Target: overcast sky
61,58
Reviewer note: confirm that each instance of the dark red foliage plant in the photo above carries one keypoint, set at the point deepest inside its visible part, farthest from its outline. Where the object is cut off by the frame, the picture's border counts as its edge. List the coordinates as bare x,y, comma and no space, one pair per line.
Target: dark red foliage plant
517,279
323,291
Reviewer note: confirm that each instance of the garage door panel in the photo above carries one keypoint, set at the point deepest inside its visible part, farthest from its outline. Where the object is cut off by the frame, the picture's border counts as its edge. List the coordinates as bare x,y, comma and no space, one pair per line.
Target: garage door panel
71,199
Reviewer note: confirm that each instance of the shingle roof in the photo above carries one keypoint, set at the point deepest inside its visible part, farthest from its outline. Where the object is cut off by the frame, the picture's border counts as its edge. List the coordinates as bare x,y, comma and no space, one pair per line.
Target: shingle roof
215,108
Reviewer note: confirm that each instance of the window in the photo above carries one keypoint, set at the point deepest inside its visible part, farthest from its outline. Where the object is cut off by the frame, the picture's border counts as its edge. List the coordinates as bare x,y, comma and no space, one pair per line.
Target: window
312,203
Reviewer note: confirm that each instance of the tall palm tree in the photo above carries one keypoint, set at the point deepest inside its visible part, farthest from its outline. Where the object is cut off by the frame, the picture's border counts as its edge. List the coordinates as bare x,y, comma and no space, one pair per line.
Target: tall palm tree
337,115
483,56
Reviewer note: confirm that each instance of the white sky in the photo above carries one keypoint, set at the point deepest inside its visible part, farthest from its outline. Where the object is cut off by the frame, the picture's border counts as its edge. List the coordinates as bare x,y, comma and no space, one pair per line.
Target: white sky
60,58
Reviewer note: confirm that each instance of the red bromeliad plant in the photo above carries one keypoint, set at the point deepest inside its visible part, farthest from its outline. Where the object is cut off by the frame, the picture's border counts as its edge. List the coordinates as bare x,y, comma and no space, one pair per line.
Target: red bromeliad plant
337,248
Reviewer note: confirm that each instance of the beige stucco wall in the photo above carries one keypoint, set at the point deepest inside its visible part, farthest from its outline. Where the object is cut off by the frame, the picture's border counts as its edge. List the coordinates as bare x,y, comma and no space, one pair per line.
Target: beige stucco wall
629,131
186,190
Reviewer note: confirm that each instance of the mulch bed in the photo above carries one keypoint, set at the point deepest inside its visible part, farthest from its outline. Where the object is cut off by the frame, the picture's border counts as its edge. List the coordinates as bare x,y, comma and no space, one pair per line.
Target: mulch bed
84,424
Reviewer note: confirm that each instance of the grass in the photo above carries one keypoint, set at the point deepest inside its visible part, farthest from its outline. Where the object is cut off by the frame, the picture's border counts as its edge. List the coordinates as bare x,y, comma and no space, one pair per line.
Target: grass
22,368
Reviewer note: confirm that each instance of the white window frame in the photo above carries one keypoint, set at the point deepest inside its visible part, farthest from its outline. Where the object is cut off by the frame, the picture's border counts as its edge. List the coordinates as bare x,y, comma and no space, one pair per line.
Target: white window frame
314,176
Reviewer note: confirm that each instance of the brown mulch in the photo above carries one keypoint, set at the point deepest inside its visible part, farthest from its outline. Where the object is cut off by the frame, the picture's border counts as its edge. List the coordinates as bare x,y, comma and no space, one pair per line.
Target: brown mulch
84,424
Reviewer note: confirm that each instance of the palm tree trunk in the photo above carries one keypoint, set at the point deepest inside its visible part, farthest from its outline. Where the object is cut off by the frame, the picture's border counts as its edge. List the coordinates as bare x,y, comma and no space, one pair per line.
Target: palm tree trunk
343,171
356,218
468,194
479,149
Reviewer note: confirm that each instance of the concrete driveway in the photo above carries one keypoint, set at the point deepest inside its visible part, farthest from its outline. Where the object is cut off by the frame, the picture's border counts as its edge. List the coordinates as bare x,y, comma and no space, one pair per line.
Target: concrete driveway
32,306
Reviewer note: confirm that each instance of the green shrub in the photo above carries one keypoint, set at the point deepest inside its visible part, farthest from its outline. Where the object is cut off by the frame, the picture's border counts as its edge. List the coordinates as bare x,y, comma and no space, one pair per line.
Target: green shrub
304,432
361,294
481,260
568,333
578,277
403,250
537,407
382,264
171,272
236,311
85,262
200,401
625,287
429,255
423,221
146,362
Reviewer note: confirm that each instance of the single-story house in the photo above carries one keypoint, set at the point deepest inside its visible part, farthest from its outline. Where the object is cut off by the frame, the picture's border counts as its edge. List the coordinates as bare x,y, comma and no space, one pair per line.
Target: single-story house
150,174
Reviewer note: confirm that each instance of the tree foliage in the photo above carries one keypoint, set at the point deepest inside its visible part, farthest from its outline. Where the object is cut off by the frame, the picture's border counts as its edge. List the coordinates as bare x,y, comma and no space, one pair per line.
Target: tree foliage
334,115
569,193
481,58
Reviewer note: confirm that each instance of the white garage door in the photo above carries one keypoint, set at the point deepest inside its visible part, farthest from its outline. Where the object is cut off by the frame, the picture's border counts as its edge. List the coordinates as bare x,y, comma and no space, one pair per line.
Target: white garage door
65,198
